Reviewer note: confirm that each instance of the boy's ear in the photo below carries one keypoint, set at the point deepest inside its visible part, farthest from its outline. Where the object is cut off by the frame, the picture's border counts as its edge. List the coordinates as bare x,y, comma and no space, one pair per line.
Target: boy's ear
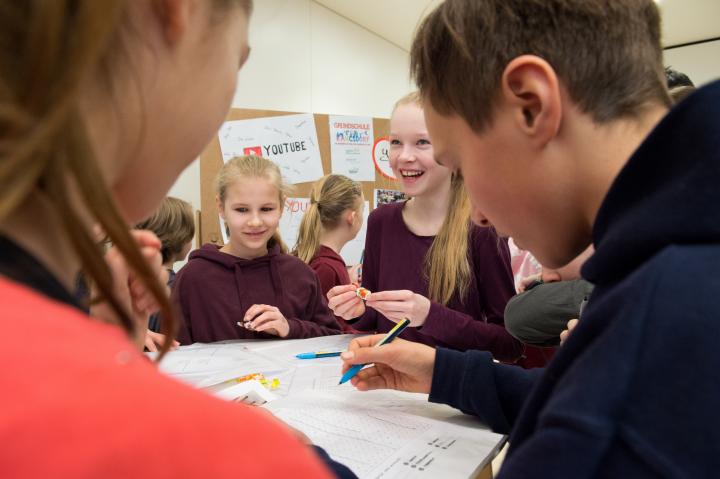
531,87
173,17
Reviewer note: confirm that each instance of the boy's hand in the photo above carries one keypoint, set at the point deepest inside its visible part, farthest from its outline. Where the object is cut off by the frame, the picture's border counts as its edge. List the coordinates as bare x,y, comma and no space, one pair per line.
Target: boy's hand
566,333
401,365
400,304
343,302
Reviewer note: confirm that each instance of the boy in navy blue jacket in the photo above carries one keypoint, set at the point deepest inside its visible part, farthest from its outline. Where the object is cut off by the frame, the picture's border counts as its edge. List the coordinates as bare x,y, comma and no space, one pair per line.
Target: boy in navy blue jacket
556,113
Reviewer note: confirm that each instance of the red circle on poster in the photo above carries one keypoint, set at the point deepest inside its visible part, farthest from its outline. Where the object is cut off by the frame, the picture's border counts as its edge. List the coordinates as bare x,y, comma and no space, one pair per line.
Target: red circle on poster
381,157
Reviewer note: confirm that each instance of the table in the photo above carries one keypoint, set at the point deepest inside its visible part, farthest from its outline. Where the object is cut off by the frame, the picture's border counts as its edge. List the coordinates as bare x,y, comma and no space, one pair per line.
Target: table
386,434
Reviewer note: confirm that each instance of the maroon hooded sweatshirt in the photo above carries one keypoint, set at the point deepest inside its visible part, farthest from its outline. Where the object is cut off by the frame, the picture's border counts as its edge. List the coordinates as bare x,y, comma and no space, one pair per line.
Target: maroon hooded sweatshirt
331,270
214,290
395,258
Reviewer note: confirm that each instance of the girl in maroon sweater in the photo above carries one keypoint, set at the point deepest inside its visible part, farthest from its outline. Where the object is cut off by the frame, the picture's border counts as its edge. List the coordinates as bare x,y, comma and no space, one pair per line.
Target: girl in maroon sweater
250,288
334,217
425,261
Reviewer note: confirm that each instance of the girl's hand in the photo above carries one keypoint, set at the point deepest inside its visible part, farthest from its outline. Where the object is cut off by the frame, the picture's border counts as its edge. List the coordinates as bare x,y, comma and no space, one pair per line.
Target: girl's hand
266,318
400,304
343,302
153,341
401,365
355,274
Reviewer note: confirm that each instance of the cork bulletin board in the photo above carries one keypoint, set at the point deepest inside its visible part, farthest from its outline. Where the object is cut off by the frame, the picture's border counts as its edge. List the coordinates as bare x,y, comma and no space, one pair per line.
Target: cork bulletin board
211,161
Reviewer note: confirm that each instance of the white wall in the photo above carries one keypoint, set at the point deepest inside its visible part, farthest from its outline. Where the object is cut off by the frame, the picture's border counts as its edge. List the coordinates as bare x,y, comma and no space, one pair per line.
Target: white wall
306,58
700,62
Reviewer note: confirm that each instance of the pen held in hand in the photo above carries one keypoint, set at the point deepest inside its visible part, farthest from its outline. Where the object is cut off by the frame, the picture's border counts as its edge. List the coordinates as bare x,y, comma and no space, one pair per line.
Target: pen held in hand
321,354
392,334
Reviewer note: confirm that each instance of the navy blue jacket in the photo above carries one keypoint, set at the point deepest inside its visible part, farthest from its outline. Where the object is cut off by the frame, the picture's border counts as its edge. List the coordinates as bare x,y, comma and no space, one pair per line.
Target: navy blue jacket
635,391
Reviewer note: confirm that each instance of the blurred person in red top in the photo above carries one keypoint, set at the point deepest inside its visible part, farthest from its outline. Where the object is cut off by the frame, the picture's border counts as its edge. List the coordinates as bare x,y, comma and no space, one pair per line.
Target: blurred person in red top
102,105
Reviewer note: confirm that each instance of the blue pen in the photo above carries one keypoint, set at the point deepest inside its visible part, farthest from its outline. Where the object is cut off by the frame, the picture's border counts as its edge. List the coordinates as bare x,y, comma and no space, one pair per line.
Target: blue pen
394,333
321,354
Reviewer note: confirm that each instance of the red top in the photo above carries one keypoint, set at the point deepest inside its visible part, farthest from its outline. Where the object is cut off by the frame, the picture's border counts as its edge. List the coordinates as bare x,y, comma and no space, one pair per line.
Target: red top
332,271
80,401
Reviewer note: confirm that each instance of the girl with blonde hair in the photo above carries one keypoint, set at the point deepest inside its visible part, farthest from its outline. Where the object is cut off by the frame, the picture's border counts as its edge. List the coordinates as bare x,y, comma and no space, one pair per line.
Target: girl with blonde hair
425,261
334,217
250,287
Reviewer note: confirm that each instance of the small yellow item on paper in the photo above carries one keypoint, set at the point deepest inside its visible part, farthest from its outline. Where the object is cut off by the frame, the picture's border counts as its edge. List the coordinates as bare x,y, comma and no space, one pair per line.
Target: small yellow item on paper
270,384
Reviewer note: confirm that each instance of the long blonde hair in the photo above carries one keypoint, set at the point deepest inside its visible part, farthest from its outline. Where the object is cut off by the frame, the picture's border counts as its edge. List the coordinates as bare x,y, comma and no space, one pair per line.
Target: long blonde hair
330,196
447,261
45,145
252,166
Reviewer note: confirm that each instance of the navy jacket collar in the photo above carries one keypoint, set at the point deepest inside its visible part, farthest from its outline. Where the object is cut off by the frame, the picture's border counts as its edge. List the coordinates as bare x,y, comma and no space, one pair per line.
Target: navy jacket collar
651,204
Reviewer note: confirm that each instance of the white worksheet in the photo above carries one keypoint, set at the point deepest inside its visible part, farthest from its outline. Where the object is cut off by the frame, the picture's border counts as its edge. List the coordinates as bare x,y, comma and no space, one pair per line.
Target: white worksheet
204,365
378,434
316,377
286,349
386,442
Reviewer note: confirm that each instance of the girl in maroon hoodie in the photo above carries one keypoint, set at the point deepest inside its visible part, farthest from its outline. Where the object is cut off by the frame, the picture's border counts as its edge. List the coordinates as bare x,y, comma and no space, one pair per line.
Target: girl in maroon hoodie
250,288
425,261
334,217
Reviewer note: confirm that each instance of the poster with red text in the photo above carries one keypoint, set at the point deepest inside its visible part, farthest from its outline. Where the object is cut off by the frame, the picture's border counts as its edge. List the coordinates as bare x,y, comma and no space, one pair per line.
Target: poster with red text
351,146
290,141
293,213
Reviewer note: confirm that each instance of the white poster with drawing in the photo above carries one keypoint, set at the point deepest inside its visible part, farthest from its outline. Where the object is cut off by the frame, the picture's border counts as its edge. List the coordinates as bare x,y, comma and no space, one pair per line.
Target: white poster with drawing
293,213
290,141
224,231
351,146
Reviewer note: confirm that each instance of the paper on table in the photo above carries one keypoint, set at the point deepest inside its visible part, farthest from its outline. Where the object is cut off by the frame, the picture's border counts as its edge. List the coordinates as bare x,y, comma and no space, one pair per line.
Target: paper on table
249,392
208,364
385,443
314,374
316,377
286,349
